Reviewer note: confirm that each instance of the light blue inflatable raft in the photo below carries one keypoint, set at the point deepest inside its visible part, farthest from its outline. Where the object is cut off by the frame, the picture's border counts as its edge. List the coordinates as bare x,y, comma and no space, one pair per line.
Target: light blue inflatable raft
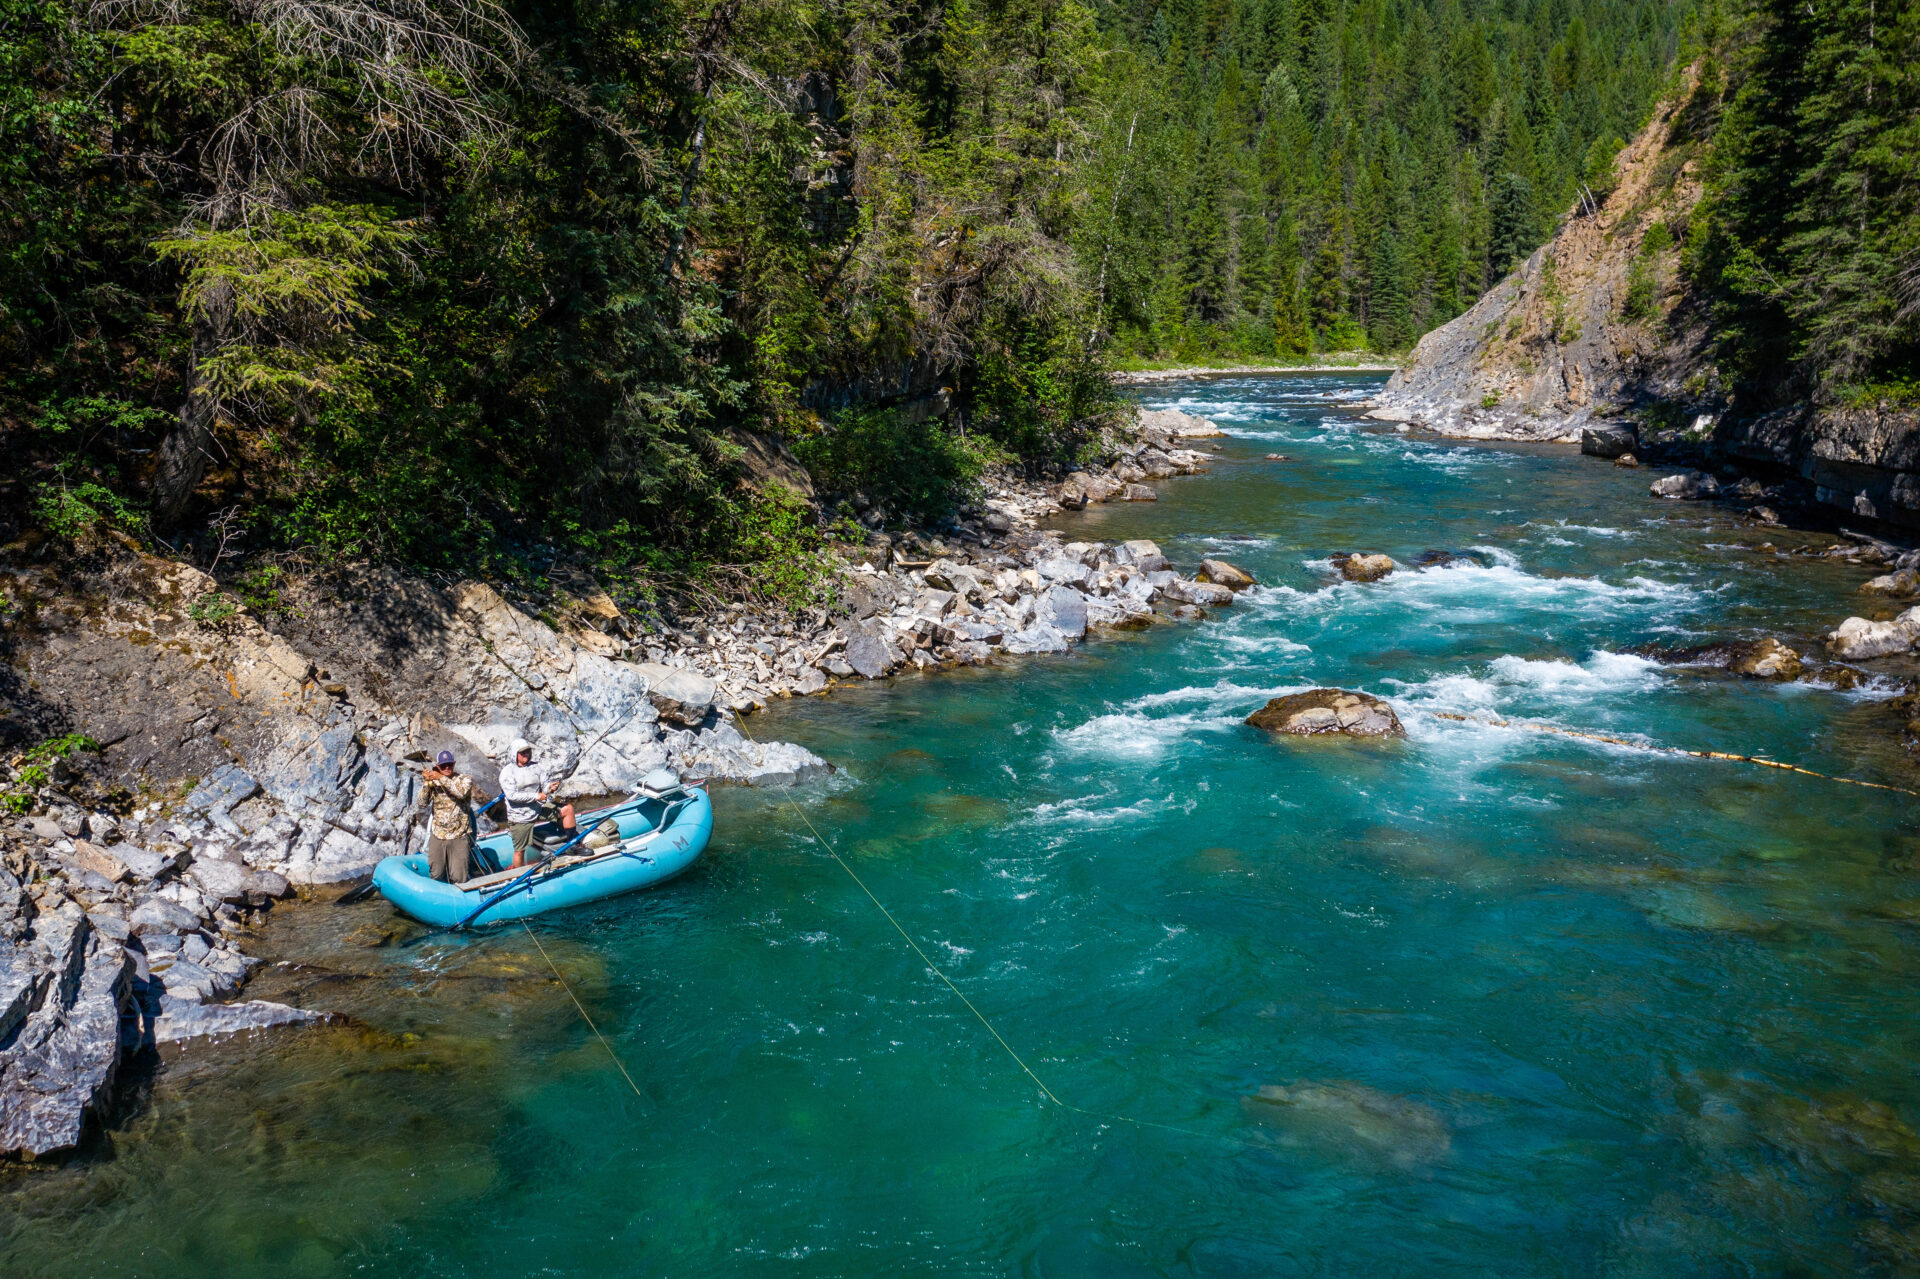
655,833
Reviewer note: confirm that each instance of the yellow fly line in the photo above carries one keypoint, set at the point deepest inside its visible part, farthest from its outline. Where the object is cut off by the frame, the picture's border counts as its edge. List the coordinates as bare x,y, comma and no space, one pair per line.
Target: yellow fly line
561,977
1490,722
1054,1097
959,994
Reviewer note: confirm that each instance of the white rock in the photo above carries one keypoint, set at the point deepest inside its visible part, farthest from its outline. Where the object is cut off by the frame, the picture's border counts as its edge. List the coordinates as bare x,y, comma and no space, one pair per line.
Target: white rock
1857,639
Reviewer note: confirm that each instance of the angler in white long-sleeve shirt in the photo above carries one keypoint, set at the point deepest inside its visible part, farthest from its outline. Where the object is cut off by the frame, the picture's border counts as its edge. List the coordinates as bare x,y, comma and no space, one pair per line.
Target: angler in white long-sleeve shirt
525,788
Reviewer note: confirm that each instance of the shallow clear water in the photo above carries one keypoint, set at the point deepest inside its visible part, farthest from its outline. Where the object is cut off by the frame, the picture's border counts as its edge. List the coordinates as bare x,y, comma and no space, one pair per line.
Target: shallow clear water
1529,1005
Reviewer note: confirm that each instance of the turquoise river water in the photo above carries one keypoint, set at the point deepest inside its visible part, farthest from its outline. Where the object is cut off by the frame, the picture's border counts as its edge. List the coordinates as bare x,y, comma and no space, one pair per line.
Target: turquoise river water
1522,1005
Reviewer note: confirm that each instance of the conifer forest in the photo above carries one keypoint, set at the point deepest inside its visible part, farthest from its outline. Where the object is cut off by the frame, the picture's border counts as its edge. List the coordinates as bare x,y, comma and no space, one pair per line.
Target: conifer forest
436,281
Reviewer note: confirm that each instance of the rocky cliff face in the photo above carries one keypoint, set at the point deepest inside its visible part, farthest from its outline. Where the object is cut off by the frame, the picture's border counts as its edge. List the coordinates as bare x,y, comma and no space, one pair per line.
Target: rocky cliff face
1589,331
1598,330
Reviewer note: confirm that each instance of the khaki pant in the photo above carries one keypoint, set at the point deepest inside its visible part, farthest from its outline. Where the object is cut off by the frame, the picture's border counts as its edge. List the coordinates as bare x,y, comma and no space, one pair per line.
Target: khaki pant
447,857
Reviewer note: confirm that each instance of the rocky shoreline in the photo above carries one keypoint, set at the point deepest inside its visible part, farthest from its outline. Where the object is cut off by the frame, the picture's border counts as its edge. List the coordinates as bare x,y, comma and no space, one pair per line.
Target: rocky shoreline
126,897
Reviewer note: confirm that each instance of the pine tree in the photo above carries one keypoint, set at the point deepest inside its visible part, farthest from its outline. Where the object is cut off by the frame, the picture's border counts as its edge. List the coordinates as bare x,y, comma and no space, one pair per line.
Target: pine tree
1292,329
1389,316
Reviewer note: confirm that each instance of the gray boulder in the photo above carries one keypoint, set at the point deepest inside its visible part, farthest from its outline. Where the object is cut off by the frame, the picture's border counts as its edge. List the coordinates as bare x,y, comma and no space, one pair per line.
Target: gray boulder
1062,569
144,864
867,653
1900,582
1221,573
1142,554
1606,441
1065,610
1858,639
1039,638
1693,486
262,884
684,696
1203,594
221,880
58,1064
158,915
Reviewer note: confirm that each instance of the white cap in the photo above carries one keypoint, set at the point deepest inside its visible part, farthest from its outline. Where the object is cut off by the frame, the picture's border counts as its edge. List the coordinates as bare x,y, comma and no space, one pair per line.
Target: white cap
522,744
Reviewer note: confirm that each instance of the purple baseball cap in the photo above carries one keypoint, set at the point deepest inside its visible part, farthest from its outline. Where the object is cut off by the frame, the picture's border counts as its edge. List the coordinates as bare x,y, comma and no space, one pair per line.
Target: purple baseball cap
446,758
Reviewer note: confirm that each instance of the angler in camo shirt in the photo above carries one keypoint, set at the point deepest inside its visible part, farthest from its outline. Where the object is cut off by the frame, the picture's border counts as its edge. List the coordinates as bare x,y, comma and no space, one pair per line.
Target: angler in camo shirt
450,834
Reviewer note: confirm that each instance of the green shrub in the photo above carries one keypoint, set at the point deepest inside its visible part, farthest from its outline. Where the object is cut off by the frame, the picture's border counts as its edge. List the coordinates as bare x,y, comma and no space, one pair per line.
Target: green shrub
213,609
784,551
921,470
36,769
259,589
1643,274
69,511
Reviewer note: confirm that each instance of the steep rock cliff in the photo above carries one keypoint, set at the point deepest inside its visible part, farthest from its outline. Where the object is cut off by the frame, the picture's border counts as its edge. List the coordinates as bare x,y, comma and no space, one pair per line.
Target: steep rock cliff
1591,329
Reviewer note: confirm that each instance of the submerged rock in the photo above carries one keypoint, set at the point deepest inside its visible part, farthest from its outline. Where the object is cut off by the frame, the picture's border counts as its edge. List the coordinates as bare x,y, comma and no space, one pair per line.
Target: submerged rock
1371,1122
1328,710
1363,568
182,1019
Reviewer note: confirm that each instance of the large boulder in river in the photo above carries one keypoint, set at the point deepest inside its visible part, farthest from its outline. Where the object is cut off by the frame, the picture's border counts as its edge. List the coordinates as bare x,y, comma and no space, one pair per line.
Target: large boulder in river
1694,486
1329,710
1857,639
1185,426
1221,573
1363,568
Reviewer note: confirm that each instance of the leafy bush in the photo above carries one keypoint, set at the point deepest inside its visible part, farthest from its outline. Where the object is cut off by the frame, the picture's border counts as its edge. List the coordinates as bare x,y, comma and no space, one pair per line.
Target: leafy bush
35,768
213,609
920,470
1643,274
69,511
259,589
786,552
